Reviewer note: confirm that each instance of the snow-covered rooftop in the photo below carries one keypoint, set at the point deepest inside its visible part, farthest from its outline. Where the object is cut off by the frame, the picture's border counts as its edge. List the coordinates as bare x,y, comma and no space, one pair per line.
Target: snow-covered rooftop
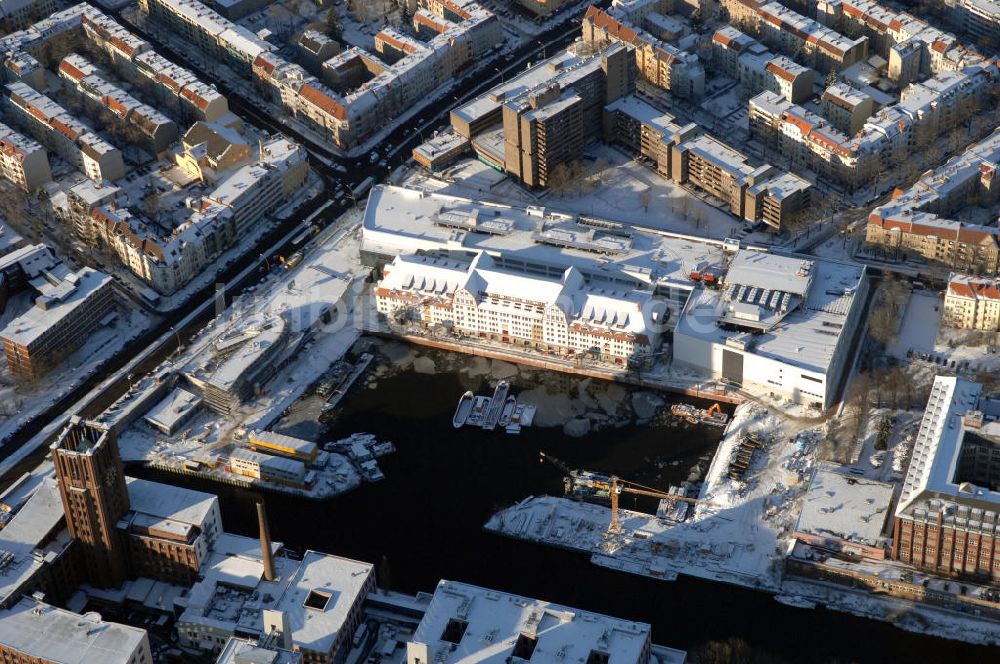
337,583
771,272
937,451
807,335
56,635
171,502
404,221
52,307
839,505
22,537
468,624
172,408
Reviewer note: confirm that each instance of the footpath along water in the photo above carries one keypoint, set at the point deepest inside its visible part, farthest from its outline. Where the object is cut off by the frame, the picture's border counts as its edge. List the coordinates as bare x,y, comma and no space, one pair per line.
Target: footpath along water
425,520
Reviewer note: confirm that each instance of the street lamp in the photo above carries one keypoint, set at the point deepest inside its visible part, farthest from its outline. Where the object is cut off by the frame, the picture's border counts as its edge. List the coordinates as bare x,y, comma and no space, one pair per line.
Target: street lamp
177,335
497,70
267,262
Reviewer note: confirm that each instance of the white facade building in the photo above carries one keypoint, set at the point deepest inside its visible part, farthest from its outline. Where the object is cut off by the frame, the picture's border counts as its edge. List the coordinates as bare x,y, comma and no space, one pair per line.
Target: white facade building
972,303
479,299
779,325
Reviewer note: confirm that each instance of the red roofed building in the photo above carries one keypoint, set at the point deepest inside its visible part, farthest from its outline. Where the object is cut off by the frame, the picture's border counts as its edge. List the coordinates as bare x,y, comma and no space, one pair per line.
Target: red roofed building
972,303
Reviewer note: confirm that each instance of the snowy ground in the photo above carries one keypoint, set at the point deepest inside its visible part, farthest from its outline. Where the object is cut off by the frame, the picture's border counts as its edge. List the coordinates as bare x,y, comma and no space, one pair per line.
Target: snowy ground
21,402
923,340
618,188
736,534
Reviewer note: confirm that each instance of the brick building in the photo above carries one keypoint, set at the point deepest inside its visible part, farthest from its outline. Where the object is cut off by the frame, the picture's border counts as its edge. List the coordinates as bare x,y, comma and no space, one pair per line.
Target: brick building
947,519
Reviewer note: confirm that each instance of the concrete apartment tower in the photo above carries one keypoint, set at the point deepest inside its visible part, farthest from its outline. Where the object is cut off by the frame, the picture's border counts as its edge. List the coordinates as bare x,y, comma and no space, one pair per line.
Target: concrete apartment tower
94,496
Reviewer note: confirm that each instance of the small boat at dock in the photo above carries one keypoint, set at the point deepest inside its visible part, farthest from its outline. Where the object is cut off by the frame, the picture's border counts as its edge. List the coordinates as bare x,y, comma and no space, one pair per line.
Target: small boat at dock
463,410
497,403
508,411
480,405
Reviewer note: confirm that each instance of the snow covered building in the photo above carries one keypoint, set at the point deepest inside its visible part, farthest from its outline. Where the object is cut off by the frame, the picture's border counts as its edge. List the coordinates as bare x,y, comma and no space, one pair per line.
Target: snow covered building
790,32
54,128
846,513
646,130
268,467
241,361
847,109
889,137
170,532
23,161
779,325
533,122
16,14
32,631
69,307
913,48
915,221
657,62
465,623
242,197
972,303
314,605
478,298
947,519
361,92
144,125
611,255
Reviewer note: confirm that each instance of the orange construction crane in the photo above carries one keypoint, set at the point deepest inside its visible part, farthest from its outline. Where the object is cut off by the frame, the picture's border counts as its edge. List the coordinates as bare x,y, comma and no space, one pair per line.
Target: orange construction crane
613,485
619,486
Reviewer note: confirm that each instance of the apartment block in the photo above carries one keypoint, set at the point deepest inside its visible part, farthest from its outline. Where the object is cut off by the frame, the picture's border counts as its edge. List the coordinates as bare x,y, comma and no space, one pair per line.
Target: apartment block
541,118
980,19
209,31
916,222
887,138
797,36
315,48
143,124
481,299
847,109
23,161
717,169
242,196
743,58
972,303
774,200
69,307
133,59
54,128
913,48
657,62
728,43
16,14
947,519
363,104
650,133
